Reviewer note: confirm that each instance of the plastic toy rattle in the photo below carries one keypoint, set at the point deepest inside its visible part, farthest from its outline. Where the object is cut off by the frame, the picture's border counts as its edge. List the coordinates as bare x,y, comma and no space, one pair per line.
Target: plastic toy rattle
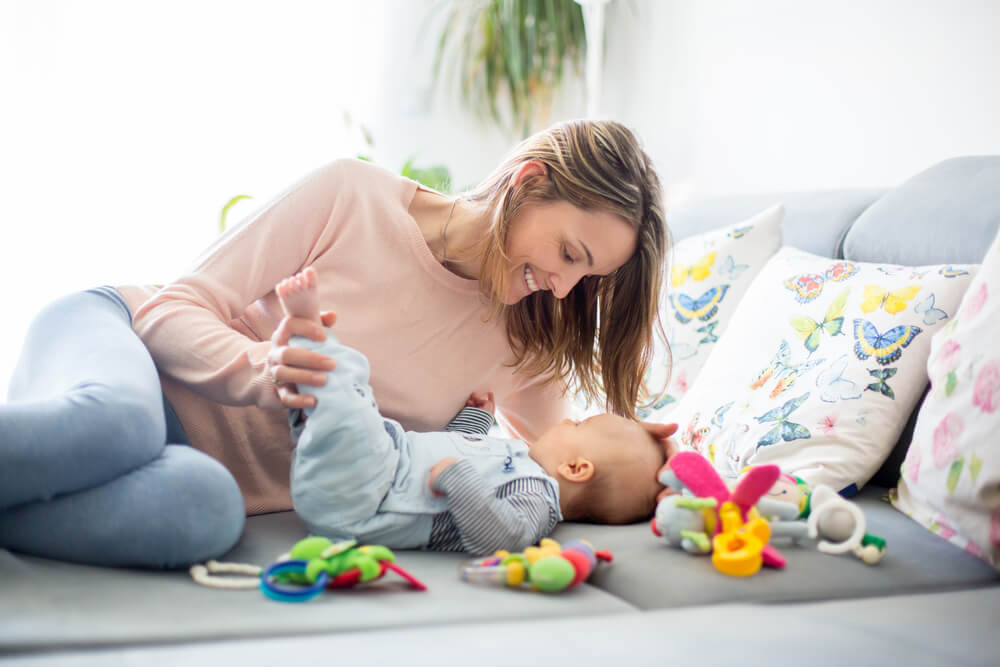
313,565
717,521
795,510
831,516
548,567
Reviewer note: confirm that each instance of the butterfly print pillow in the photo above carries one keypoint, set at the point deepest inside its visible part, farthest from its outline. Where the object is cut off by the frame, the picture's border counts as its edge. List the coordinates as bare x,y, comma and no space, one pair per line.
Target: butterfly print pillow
709,274
822,363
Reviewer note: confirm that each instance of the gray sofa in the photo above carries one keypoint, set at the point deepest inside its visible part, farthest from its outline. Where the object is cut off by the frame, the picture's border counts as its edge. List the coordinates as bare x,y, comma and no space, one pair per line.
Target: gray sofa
926,603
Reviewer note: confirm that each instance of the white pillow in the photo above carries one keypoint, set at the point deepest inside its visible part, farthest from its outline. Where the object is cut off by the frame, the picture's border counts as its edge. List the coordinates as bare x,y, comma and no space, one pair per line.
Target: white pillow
950,479
819,368
709,274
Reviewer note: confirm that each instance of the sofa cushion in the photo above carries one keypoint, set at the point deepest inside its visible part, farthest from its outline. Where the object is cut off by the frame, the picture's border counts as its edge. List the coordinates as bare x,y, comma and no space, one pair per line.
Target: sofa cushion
651,575
51,604
821,365
813,221
915,223
951,475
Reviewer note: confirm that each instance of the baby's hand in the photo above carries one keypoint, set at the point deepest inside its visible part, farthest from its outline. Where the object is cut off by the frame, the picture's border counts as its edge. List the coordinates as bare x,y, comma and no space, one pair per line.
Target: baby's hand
481,401
436,470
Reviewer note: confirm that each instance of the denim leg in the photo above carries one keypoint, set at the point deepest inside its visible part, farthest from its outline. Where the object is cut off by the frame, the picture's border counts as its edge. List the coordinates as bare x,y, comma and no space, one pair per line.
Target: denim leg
182,508
84,404
85,473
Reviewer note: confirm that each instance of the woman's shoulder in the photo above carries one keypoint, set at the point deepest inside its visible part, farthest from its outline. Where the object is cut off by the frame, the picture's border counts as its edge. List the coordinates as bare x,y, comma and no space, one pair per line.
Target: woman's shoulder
362,174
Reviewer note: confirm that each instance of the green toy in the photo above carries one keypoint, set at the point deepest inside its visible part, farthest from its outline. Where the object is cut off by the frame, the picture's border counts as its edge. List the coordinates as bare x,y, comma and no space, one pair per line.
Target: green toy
313,565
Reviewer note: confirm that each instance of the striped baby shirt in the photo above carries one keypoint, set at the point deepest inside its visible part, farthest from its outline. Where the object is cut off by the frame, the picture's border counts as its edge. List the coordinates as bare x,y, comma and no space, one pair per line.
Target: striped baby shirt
482,519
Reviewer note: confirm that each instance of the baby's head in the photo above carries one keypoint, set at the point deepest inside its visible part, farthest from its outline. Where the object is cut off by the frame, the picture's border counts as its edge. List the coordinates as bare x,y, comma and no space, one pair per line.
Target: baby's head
606,467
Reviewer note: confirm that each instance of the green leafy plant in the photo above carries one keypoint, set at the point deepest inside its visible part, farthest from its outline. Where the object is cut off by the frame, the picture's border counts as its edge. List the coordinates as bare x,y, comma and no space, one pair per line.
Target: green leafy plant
510,56
436,177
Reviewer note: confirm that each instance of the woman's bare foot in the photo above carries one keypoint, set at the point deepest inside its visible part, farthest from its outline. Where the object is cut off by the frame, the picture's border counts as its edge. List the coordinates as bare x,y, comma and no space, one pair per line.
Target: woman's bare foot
299,297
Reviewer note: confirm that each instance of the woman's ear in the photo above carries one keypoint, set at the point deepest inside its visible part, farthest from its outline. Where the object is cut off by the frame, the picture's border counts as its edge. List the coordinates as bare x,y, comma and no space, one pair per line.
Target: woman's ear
577,470
528,170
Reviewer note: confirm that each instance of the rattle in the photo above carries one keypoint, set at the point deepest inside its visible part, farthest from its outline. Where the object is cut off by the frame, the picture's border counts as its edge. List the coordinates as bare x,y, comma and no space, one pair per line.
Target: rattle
547,567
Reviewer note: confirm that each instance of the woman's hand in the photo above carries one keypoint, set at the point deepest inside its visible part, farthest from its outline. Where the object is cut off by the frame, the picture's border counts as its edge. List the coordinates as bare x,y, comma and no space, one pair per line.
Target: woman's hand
662,433
291,366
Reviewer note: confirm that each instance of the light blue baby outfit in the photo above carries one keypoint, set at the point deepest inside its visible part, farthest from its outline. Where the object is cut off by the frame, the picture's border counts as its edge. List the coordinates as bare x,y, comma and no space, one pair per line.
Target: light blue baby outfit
358,475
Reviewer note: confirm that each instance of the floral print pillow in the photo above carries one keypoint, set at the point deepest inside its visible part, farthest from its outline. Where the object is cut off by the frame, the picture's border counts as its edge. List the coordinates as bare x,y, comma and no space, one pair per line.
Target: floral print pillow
822,363
950,479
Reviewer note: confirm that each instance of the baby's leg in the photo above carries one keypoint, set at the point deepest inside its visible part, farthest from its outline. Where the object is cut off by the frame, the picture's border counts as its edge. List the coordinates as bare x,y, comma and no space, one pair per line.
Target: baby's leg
298,295
345,460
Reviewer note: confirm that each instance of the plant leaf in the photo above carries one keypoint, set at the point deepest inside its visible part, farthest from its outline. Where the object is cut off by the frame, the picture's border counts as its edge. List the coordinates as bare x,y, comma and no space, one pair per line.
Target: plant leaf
953,474
975,465
951,381
225,210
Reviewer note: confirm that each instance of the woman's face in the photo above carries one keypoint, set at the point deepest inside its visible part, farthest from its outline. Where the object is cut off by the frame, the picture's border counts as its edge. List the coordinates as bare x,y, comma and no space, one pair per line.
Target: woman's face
552,245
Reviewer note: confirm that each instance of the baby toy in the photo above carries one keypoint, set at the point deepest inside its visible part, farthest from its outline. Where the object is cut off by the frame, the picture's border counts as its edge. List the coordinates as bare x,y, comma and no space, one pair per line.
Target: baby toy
824,514
313,565
716,520
836,518
547,567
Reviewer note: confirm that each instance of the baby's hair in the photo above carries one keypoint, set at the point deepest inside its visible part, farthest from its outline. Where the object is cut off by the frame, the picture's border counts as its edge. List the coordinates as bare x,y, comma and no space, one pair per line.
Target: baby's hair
620,494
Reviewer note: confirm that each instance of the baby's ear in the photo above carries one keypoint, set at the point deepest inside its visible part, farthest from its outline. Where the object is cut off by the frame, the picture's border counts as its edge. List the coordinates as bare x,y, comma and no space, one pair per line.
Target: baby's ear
577,470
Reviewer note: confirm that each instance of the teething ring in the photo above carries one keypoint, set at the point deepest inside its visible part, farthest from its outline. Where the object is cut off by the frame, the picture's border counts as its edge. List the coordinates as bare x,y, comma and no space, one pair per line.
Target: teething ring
272,589
853,542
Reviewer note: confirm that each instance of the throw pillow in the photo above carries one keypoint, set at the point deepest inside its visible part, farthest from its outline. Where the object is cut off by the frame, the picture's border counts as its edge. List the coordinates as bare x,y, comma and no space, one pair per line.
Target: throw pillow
820,366
950,479
709,274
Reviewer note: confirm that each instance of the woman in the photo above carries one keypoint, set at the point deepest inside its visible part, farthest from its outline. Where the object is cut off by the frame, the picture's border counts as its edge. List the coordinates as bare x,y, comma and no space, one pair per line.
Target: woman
500,290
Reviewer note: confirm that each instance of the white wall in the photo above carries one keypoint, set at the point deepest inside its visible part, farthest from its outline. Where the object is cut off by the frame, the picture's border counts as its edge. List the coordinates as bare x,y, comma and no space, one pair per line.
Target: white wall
125,126
733,95
745,96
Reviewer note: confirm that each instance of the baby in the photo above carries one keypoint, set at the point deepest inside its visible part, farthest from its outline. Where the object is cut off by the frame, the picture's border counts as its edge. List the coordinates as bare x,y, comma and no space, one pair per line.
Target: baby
358,475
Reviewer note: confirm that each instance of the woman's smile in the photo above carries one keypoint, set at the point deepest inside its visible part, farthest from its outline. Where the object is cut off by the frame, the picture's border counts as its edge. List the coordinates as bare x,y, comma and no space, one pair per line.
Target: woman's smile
529,279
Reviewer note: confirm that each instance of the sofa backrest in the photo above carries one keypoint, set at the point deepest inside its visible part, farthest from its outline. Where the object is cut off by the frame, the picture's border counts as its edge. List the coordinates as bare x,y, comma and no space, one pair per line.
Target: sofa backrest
814,221
947,214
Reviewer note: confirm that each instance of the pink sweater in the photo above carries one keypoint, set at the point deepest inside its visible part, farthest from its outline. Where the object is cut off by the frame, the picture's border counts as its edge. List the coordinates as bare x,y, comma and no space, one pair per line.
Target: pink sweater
420,325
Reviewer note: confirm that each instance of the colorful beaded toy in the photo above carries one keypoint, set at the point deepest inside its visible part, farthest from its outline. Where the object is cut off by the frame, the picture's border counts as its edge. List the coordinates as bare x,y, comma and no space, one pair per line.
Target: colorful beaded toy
547,567
313,565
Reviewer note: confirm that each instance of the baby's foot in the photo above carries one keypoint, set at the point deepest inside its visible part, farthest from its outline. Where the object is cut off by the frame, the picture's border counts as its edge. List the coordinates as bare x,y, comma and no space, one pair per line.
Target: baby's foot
298,295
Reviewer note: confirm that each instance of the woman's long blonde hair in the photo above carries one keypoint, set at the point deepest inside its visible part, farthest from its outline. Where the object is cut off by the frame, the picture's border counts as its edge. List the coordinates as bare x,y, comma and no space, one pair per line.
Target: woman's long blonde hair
599,338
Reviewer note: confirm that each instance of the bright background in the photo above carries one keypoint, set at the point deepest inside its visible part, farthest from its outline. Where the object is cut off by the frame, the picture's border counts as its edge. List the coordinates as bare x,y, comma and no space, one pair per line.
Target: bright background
125,126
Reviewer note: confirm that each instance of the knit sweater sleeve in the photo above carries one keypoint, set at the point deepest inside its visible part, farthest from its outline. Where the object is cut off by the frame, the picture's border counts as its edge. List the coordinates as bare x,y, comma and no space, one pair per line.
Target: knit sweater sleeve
188,325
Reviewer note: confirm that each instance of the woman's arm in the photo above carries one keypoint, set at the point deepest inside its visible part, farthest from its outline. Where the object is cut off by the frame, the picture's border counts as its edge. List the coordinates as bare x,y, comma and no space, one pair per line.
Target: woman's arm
187,325
528,411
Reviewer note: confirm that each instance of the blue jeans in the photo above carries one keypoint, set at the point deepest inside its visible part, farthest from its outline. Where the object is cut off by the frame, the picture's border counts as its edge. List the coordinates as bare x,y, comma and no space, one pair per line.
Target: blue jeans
94,466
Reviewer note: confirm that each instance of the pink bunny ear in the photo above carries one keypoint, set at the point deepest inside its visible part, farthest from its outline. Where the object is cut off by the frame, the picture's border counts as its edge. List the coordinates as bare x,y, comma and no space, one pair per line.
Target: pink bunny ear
698,474
753,485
